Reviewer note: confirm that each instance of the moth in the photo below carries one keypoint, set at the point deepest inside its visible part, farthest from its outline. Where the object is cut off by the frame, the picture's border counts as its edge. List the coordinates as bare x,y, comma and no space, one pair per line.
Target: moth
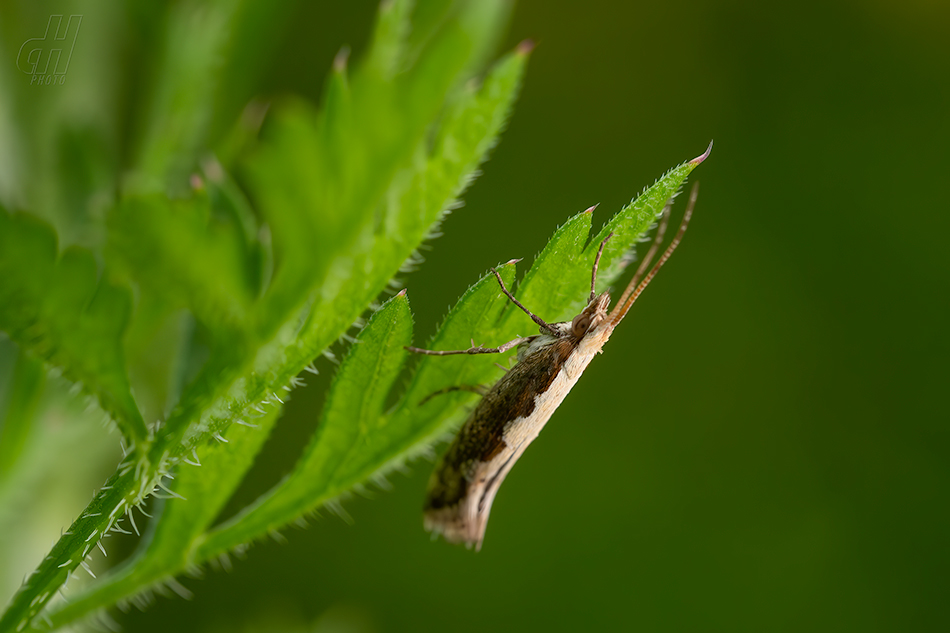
512,413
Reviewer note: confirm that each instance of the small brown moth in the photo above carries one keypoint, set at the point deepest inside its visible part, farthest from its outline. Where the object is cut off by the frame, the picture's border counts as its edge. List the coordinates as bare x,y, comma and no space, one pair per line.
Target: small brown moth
512,413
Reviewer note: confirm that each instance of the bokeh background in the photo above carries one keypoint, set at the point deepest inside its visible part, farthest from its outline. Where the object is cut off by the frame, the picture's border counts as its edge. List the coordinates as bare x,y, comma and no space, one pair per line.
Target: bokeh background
763,446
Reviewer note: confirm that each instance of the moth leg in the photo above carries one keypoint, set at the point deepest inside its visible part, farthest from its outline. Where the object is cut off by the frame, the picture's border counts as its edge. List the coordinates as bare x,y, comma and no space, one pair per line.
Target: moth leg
544,325
479,389
474,349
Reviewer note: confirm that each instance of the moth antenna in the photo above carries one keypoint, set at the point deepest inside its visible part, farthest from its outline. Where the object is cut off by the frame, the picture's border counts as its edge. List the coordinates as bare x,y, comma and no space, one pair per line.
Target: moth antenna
593,274
620,311
648,258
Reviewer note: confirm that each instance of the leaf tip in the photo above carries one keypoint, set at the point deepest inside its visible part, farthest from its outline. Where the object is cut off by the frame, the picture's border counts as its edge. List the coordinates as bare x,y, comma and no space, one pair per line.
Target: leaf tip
525,47
590,209
703,156
512,262
341,59
402,293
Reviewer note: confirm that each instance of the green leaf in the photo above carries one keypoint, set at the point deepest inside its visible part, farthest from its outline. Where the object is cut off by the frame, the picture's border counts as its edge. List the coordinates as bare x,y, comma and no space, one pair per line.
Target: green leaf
350,423
56,306
206,482
319,178
554,287
355,402
179,106
22,401
204,486
412,426
558,285
635,219
417,200
186,256
229,201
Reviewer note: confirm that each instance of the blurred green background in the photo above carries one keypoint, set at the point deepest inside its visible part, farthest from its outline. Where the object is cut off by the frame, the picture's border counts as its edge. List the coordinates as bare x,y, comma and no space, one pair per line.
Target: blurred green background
770,458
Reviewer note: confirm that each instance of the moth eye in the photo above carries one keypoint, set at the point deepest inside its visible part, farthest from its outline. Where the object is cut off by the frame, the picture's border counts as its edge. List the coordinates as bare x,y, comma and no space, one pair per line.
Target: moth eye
580,324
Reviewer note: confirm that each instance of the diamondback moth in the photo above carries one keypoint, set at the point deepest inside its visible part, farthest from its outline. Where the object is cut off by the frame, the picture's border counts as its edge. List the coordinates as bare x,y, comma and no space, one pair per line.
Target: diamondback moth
512,413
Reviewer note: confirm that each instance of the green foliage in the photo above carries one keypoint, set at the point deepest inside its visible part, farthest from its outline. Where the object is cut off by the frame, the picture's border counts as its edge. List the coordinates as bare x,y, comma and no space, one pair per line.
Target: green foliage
25,389
337,200
273,265
355,438
352,421
56,306
177,251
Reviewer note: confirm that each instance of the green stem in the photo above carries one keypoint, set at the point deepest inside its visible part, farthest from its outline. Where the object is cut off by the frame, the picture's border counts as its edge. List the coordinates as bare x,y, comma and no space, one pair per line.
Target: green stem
108,505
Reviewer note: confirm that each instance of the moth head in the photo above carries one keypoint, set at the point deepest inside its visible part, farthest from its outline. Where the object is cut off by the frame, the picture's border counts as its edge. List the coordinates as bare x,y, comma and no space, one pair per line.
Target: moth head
592,316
